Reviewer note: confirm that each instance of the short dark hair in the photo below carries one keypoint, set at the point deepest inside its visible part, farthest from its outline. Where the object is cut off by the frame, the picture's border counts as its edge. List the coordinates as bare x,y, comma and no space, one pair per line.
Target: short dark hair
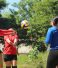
55,20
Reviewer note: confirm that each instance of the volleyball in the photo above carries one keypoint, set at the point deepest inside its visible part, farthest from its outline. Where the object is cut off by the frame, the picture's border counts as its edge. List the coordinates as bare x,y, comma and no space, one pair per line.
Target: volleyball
24,24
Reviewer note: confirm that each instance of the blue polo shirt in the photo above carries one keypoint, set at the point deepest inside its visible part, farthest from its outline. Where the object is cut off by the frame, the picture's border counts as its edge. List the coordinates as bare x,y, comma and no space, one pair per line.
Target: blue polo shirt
52,38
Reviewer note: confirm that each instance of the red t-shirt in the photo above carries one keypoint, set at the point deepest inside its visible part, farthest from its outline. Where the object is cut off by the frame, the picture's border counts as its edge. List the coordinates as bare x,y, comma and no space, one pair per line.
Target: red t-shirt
9,48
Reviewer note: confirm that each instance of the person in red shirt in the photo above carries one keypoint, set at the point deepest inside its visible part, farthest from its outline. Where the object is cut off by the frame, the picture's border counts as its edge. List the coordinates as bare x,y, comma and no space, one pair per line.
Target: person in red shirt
10,50
3,33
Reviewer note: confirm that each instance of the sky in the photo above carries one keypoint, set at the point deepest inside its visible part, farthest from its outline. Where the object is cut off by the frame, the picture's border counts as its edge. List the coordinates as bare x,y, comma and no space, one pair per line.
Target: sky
12,1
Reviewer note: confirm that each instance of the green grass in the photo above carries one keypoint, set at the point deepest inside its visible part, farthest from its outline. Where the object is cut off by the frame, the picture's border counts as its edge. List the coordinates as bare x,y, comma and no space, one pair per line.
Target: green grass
25,62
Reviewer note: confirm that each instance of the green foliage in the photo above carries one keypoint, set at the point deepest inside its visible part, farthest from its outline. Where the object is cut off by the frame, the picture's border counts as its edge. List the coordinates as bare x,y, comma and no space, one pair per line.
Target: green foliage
39,14
33,54
2,4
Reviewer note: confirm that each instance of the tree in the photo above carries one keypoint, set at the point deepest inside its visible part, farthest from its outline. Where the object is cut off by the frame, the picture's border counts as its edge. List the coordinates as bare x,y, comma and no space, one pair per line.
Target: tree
38,13
2,3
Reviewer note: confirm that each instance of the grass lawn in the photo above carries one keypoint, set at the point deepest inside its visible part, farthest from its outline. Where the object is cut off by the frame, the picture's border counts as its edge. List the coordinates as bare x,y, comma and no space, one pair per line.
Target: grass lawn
25,62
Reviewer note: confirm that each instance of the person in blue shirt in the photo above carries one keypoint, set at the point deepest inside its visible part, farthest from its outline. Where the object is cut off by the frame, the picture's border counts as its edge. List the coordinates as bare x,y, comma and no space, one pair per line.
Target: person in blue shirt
52,40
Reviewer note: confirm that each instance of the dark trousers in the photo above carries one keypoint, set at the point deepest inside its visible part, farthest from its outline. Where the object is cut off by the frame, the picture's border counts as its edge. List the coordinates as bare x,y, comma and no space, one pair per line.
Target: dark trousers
52,60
